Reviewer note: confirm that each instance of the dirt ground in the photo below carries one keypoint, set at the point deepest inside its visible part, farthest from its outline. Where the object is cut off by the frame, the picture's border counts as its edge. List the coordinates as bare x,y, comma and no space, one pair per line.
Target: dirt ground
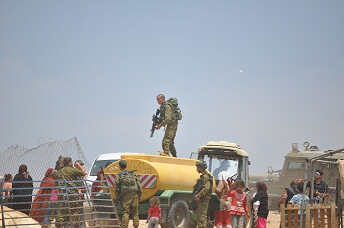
273,221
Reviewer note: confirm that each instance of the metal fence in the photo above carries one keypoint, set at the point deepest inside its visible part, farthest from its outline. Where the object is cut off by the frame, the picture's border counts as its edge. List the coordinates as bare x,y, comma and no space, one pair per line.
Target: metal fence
41,157
58,203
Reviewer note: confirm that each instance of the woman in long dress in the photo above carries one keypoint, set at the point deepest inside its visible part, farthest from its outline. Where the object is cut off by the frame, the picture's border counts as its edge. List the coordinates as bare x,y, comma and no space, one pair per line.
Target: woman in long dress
222,218
22,188
41,201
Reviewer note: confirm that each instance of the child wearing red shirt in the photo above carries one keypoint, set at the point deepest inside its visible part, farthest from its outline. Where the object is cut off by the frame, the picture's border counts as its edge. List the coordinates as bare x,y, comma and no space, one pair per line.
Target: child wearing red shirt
154,213
239,205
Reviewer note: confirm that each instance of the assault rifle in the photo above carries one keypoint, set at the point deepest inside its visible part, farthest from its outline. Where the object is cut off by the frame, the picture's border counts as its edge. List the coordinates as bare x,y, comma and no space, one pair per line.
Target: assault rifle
196,189
156,120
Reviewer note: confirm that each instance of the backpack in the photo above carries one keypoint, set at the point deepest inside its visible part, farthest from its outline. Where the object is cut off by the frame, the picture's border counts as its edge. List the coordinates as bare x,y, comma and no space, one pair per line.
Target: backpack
128,182
177,113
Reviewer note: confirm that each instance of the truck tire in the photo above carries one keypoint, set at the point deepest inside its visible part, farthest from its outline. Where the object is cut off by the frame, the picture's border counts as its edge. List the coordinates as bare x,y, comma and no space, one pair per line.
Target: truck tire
178,215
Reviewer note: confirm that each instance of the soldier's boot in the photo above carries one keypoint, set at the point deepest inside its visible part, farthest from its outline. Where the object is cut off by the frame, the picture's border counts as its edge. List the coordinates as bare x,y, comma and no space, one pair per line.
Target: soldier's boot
173,149
173,152
163,154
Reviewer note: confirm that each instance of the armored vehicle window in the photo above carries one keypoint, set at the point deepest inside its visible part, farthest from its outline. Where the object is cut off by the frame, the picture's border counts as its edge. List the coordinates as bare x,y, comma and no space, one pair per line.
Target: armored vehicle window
295,165
218,165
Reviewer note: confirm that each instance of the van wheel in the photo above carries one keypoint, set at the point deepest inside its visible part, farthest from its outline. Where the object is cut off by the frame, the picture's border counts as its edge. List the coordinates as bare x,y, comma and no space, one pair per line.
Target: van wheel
178,215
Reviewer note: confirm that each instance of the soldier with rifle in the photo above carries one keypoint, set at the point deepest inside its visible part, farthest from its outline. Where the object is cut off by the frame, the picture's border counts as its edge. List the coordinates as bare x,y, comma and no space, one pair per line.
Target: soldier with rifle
167,115
202,193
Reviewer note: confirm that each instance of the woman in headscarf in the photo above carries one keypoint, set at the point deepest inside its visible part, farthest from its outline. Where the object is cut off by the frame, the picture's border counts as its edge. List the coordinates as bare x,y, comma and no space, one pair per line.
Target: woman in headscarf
22,188
222,218
41,201
97,185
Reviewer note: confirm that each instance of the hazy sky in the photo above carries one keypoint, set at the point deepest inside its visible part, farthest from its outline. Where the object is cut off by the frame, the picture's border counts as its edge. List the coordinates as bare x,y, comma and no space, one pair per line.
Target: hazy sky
92,69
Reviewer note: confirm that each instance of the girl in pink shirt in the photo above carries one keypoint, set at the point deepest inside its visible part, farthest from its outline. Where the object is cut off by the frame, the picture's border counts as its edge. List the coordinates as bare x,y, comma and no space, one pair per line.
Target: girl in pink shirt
239,209
7,185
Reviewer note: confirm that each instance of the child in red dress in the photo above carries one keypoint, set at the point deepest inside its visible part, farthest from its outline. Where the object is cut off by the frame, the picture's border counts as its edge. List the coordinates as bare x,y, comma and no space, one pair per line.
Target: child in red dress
239,205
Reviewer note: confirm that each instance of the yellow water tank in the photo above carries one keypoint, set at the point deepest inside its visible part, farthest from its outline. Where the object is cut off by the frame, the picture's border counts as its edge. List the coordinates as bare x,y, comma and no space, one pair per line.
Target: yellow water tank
157,173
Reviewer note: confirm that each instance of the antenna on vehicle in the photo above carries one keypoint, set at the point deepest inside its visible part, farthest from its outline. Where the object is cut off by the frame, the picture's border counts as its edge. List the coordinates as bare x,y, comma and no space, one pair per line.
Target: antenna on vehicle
306,145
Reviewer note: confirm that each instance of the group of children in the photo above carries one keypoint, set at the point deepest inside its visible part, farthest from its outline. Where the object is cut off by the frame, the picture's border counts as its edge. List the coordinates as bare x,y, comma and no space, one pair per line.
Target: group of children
233,204
234,210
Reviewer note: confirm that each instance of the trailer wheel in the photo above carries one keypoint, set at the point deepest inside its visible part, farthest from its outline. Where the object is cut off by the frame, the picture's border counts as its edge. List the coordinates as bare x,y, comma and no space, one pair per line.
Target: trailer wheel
179,215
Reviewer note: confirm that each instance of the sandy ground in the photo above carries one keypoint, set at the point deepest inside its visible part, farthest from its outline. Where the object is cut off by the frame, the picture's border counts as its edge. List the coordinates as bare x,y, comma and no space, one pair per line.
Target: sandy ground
273,221
17,219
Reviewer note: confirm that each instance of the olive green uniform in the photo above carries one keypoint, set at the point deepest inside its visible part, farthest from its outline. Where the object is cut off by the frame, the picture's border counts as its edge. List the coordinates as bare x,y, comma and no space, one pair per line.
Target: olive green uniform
203,203
129,202
68,211
170,131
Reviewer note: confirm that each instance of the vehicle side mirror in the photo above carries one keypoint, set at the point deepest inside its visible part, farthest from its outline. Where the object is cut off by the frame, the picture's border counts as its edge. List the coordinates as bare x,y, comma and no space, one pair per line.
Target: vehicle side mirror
249,163
194,155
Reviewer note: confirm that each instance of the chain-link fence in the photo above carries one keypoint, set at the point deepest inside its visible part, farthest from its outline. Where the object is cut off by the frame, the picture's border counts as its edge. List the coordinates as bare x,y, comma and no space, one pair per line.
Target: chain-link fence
40,158
57,203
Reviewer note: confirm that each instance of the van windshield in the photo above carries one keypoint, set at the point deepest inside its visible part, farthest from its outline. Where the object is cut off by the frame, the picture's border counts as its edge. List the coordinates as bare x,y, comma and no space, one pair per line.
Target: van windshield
100,163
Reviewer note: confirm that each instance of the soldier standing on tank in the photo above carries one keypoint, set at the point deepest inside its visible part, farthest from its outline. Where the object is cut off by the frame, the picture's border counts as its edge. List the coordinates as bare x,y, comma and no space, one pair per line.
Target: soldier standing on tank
128,191
171,123
203,193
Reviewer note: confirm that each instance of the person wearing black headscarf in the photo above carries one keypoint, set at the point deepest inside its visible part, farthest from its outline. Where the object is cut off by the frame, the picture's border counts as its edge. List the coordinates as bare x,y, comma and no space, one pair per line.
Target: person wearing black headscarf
22,188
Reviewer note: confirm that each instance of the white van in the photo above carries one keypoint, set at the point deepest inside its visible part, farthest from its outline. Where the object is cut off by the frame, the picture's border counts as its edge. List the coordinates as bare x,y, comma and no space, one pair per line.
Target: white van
103,160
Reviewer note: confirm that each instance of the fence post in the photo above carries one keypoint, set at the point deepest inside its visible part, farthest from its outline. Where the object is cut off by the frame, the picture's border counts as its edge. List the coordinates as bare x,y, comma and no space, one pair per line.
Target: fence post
296,216
289,215
316,215
334,221
2,203
322,215
282,222
2,211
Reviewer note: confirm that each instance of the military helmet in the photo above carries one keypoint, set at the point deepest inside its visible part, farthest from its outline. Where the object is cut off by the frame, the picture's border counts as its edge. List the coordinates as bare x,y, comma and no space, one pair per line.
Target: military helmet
201,164
122,164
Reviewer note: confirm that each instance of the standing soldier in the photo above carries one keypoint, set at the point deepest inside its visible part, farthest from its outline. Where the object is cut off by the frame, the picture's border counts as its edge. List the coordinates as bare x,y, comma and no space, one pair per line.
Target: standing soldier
67,178
128,191
169,115
81,191
202,191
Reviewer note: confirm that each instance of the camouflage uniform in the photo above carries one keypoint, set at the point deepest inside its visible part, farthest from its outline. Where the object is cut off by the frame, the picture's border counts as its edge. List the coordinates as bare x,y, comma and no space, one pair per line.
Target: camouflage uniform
170,131
68,211
202,207
129,201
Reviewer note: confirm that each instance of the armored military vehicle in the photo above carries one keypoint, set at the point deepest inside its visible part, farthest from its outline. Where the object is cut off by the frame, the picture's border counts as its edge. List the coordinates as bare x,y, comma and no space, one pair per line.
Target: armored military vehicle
295,167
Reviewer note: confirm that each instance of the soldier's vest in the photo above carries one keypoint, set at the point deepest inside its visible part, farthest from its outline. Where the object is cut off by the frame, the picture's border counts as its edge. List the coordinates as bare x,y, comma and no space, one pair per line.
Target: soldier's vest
199,184
128,182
